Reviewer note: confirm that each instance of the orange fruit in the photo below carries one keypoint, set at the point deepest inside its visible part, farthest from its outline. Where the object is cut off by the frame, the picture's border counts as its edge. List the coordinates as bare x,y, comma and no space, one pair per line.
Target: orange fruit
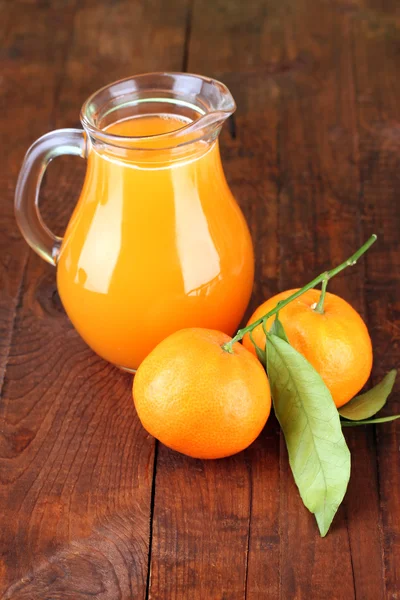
197,398
336,343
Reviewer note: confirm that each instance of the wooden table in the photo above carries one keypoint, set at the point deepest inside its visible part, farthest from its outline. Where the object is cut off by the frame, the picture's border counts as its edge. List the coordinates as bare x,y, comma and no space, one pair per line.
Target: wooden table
90,505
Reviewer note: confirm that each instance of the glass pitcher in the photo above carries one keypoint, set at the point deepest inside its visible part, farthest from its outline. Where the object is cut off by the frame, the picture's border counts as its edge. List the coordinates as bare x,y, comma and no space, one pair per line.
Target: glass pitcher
156,242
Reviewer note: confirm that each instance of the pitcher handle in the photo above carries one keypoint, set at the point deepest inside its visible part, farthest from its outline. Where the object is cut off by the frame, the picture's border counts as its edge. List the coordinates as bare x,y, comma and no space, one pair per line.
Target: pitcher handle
49,146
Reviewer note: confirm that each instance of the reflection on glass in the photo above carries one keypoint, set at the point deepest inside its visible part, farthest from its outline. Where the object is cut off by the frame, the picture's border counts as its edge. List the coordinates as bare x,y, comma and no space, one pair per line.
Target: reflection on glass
102,245
193,236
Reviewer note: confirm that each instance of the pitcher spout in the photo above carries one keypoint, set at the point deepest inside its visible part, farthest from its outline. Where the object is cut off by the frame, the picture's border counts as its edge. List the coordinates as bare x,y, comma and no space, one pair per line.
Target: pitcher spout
201,103
216,103
206,126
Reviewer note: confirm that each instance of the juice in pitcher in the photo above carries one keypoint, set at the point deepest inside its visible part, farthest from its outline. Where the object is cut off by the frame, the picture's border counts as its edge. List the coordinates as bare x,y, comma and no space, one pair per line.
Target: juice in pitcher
157,242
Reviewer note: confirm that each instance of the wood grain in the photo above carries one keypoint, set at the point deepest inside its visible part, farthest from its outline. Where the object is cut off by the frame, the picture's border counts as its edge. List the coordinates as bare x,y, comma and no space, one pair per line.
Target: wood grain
202,546
252,166
30,64
312,158
376,64
313,567
75,465
323,183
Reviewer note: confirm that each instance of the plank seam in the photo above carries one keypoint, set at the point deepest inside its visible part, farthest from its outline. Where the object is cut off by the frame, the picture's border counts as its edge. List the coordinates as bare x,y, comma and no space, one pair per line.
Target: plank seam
250,473
152,505
356,151
351,554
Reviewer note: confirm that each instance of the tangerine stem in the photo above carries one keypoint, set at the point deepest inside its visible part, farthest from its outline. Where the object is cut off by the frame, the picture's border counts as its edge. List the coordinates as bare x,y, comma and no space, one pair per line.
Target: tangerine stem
325,276
320,306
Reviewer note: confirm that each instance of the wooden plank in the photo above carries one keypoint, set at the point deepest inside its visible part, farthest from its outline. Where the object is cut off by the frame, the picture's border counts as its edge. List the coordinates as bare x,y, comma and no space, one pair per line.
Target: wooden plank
318,202
76,466
201,543
320,226
200,528
82,528
313,567
376,66
29,65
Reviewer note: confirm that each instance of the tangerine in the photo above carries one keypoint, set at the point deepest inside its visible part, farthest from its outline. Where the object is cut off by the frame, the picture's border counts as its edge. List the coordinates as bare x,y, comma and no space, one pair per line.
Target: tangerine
199,399
336,343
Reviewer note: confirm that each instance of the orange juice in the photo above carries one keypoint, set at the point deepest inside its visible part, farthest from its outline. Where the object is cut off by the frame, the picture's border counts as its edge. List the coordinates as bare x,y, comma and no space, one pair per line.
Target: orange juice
156,243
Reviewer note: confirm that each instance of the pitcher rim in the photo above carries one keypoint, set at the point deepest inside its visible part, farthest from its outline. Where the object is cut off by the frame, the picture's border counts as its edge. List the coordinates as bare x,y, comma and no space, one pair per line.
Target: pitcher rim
215,119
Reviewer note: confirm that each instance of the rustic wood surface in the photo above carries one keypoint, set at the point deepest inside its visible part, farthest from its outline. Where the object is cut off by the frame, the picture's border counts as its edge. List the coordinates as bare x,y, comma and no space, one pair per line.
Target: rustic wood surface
90,505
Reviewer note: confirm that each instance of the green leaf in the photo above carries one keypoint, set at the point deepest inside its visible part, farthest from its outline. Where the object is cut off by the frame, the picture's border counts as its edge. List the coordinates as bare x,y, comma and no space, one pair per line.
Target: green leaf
318,454
368,404
370,421
260,355
278,330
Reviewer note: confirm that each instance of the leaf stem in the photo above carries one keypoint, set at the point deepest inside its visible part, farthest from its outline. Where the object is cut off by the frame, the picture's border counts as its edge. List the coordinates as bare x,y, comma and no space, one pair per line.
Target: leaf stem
320,306
325,276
